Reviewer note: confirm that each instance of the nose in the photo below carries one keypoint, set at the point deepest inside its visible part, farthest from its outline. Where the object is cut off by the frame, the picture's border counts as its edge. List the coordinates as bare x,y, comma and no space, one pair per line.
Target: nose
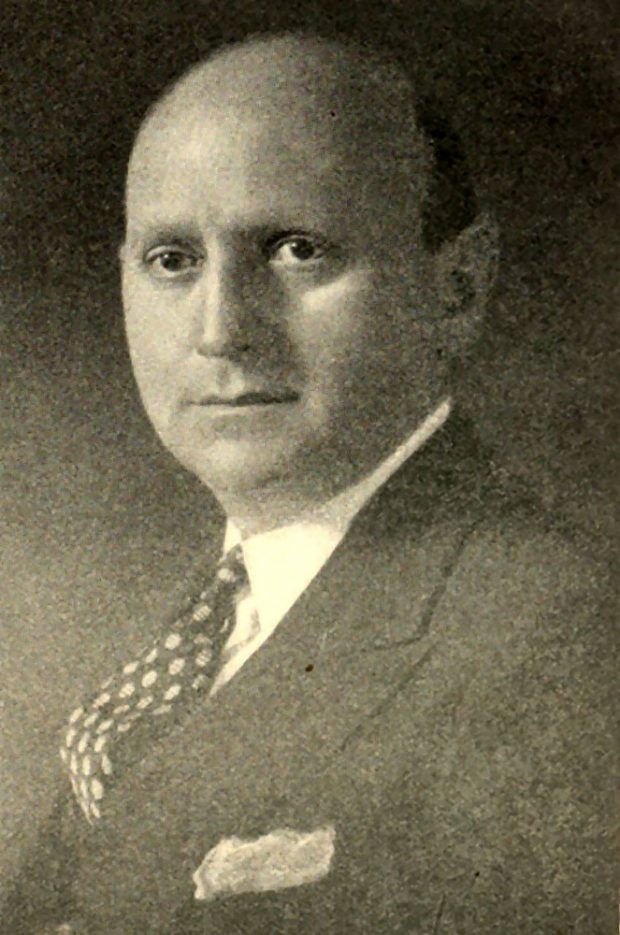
226,317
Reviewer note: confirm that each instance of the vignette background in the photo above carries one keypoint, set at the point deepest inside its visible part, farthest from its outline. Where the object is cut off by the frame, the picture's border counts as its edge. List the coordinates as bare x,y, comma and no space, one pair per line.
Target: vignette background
97,522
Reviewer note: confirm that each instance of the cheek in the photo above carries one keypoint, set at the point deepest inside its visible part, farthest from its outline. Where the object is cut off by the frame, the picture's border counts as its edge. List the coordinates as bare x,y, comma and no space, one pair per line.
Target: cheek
156,320
154,346
355,334
335,335
330,327
367,355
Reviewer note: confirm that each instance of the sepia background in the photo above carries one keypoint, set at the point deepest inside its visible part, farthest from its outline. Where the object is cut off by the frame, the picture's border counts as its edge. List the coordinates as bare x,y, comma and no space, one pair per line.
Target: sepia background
96,521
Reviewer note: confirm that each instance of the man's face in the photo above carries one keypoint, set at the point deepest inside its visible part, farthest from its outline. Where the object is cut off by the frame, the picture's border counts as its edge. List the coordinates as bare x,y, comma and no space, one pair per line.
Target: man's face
279,302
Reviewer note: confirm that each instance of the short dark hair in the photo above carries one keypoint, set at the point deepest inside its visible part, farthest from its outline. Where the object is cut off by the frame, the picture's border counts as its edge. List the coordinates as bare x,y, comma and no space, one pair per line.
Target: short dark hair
450,204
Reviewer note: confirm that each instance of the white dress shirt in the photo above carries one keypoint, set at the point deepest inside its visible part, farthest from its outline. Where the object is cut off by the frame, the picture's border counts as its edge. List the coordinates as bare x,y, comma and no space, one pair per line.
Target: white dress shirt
282,562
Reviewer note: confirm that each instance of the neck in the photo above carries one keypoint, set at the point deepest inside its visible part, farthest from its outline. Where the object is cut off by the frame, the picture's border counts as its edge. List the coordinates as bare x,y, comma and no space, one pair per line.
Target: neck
276,504
260,509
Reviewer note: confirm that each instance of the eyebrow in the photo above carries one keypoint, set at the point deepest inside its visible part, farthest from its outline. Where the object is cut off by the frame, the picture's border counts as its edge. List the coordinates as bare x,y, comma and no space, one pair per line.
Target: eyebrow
176,232
187,233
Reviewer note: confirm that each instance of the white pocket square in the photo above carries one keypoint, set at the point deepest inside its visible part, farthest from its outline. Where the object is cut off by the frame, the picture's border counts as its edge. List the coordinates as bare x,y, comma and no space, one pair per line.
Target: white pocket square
275,861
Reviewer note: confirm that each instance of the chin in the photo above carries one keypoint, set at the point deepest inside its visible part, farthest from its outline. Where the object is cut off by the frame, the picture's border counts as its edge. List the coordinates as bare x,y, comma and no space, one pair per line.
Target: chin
228,468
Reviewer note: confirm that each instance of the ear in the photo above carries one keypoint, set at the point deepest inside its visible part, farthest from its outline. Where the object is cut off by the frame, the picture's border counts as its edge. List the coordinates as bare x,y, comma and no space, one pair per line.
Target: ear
465,273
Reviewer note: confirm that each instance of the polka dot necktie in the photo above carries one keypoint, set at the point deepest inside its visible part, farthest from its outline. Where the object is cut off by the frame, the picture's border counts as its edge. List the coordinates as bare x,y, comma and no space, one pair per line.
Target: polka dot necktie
153,692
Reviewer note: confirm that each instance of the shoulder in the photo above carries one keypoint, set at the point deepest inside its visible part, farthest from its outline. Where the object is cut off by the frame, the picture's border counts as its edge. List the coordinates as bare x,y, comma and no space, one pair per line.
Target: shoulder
536,718
528,614
522,574
499,753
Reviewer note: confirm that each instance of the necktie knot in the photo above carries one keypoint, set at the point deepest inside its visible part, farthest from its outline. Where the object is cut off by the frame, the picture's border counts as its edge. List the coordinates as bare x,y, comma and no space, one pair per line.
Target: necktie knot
231,568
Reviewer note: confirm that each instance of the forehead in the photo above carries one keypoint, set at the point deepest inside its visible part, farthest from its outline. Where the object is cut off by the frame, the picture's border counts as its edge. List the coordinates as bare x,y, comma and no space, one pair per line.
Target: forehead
236,163
281,143
209,157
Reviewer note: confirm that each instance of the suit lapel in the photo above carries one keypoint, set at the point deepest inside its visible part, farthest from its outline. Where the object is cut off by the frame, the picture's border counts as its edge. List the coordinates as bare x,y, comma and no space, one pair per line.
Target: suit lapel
241,760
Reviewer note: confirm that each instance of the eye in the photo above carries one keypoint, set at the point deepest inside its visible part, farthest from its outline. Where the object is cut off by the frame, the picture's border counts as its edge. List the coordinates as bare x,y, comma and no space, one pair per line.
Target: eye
171,262
296,250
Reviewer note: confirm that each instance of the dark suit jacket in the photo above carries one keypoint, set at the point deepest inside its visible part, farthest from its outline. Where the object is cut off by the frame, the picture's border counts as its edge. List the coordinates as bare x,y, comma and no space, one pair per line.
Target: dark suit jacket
440,695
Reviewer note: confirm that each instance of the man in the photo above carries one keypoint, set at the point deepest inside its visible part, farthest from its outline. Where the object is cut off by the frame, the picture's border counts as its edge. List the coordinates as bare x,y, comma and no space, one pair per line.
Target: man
392,716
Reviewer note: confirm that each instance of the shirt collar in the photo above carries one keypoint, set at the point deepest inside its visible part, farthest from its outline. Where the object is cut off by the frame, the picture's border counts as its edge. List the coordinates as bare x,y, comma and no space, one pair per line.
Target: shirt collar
342,509
281,562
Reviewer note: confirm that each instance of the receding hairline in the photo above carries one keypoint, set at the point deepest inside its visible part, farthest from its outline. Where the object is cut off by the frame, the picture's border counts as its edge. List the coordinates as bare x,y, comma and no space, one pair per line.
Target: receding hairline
361,78
422,134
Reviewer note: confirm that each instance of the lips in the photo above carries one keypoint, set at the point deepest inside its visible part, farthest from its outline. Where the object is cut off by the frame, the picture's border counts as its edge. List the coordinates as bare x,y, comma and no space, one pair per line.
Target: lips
252,398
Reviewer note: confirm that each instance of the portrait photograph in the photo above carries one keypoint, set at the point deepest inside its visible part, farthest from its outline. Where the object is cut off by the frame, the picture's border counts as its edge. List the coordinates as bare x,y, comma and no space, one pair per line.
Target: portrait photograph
309,339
